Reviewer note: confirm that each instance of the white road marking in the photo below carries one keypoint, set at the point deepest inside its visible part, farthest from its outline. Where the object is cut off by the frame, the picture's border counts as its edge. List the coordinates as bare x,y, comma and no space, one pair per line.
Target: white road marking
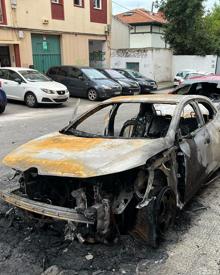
41,113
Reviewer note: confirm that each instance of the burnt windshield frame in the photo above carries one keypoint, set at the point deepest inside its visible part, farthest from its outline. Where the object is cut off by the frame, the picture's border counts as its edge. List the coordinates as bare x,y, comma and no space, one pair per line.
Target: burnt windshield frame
71,128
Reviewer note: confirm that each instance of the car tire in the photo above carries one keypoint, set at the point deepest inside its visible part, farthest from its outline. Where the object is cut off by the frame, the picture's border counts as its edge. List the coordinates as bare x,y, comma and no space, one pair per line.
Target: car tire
165,211
92,95
30,100
2,109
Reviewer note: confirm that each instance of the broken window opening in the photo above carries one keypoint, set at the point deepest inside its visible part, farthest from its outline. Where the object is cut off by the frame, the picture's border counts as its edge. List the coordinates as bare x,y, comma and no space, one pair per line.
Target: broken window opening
143,120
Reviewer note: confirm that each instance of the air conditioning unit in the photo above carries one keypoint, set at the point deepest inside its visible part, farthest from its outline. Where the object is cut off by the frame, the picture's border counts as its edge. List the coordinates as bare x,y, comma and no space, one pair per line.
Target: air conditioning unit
108,28
13,4
45,21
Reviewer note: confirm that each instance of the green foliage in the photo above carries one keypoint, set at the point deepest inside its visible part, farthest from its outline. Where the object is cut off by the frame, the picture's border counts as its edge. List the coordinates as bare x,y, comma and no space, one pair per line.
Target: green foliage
213,25
187,30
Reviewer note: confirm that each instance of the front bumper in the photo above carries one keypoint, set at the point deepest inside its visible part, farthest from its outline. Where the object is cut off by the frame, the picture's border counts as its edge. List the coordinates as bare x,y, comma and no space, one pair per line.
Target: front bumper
109,93
131,91
54,100
13,197
148,88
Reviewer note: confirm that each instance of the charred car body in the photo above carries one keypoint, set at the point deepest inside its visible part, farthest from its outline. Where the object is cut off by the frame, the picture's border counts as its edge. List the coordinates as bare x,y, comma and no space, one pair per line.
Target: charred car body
205,85
127,173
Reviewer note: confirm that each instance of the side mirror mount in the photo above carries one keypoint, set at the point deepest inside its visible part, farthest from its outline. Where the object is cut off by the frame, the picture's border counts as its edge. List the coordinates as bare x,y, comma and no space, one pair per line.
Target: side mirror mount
18,80
81,77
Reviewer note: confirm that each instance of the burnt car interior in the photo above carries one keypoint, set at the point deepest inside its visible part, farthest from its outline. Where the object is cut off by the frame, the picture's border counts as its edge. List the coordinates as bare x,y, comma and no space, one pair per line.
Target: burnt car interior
145,120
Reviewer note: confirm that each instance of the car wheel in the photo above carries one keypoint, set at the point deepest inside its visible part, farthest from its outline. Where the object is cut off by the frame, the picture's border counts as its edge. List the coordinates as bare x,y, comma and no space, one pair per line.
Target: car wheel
30,100
165,210
2,109
92,95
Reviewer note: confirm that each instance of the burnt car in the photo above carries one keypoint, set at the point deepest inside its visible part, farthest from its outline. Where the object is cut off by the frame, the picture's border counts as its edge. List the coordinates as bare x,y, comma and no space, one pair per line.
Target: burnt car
123,166
147,85
129,87
204,85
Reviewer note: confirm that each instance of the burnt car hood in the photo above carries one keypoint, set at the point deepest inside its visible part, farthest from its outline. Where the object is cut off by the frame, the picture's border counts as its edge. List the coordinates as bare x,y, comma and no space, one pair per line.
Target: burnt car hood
69,156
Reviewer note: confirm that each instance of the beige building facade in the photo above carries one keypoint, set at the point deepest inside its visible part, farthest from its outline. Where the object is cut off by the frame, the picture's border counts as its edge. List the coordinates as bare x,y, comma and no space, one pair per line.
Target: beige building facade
47,33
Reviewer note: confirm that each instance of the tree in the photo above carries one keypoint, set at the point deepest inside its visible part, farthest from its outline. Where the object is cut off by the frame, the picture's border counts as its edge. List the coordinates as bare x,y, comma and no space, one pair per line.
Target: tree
186,30
213,26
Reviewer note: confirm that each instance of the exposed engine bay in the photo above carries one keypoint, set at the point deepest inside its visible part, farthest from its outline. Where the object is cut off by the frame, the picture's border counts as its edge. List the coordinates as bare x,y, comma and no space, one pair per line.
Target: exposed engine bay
112,204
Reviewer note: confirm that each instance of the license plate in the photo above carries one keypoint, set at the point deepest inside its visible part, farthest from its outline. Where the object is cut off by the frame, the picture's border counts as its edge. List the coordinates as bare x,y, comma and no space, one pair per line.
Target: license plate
117,93
61,96
136,93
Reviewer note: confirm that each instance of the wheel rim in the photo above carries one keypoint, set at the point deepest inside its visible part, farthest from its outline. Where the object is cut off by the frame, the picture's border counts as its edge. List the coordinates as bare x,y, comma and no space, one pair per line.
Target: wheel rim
92,95
30,100
166,210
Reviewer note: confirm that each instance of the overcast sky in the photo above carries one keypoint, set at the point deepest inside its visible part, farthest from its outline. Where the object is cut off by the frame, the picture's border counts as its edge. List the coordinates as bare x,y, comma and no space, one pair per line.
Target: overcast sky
131,4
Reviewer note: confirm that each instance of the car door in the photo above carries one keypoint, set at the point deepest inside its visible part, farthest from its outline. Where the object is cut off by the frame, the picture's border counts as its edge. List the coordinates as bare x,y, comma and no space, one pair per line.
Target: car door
212,125
4,80
59,74
78,82
194,141
15,85
11,86
52,73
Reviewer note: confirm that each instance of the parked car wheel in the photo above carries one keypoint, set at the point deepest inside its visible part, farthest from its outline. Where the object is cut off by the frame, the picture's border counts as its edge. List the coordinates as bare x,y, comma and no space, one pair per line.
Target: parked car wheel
165,210
30,100
92,95
2,109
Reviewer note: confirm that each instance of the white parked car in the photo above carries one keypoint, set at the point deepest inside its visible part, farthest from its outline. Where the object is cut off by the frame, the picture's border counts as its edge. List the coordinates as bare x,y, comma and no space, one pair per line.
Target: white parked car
31,86
181,75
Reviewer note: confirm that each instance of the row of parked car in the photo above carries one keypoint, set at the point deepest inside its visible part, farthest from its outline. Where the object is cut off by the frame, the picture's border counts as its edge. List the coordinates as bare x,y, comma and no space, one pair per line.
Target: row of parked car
60,82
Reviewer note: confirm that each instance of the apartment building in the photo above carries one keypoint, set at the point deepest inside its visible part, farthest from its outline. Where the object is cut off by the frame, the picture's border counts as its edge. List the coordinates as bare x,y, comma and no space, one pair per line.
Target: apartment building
46,33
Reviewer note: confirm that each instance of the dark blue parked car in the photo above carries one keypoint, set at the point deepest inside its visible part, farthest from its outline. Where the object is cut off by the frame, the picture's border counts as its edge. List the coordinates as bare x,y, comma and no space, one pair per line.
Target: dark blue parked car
3,101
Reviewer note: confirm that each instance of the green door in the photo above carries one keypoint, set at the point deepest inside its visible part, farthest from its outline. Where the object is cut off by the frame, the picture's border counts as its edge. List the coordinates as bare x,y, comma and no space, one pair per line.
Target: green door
46,51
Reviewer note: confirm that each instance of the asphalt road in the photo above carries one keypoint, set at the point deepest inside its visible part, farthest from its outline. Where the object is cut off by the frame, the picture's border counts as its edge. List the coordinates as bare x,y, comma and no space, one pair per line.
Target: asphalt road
192,247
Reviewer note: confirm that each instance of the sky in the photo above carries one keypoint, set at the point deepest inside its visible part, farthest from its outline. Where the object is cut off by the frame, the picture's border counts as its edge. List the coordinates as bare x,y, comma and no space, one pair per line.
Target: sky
118,5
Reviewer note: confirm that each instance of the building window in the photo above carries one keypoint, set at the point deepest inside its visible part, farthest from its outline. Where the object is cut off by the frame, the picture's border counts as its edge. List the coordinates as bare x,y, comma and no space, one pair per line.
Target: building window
57,9
99,11
133,66
1,12
97,4
3,19
79,3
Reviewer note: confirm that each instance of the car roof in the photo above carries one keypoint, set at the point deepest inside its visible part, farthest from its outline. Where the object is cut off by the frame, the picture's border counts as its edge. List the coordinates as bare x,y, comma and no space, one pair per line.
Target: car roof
186,70
67,66
159,98
18,69
204,78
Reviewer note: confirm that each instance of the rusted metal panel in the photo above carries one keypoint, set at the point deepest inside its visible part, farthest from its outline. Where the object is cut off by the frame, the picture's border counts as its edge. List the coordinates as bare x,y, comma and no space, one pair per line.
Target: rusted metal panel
155,98
56,212
61,155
